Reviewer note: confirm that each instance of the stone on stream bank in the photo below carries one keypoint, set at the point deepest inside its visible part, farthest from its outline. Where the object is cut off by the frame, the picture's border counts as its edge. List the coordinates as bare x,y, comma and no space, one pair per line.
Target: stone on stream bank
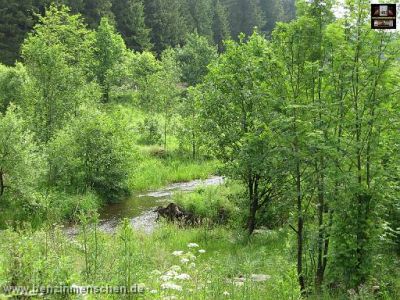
172,212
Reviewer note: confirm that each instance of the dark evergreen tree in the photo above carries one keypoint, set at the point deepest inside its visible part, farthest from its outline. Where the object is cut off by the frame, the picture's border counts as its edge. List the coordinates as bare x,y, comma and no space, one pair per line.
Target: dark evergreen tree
16,19
201,17
167,22
221,25
91,10
274,12
289,10
244,16
129,15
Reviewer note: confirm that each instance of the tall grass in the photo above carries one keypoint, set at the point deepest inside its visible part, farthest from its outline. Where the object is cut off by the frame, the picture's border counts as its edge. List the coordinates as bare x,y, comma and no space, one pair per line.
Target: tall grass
219,265
155,172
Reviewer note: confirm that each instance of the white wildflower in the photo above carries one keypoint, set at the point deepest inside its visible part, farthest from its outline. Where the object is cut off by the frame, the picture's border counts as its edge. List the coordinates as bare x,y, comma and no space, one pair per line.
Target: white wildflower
226,293
184,260
153,292
169,298
171,286
192,265
193,245
171,273
202,251
165,277
175,268
177,253
182,276
238,283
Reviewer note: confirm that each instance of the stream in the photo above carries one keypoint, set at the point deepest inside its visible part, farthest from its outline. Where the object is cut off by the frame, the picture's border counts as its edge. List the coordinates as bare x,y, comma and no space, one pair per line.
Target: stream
139,208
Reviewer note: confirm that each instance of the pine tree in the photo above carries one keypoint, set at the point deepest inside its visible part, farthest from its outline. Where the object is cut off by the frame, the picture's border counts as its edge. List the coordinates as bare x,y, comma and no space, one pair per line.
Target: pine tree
220,24
130,21
167,22
273,11
201,17
92,10
244,16
16,19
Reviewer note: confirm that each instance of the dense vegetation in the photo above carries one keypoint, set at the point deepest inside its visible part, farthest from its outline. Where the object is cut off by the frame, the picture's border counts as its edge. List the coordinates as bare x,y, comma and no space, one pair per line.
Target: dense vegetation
301,117
148,24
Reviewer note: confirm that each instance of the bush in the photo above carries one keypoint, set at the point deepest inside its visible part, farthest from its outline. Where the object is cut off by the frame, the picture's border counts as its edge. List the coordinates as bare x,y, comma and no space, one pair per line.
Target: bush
212,202
92,153
150,133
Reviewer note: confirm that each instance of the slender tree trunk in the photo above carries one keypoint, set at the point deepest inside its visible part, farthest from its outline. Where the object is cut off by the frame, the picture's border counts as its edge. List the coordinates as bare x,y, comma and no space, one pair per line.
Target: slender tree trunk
193,146
1,182
253,207
165,131
321,230
299,230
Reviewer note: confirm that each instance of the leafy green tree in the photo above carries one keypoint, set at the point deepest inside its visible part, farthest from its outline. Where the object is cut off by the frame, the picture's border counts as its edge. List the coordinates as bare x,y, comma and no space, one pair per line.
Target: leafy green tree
164,90
194,57
56,56
21,170
144,68
235,117
191,131
368,66
92,153
130,21
109,51
297,137
12,83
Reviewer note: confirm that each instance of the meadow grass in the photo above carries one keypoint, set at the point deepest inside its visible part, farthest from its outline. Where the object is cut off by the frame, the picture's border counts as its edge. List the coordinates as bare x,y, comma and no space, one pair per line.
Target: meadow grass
155,171
218,266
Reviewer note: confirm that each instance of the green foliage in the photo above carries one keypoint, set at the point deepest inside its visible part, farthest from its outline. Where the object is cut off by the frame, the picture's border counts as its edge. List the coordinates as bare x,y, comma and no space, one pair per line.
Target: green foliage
235,116
21,170
216,204
221,26
12,83
150,132
194,57
200,15
167,22
92,153
56,57
129,16
16,19
109,52
91,10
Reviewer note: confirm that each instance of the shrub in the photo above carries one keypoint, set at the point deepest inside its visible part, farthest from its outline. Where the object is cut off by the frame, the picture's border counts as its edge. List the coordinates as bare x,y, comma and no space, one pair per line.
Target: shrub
149,132
213,202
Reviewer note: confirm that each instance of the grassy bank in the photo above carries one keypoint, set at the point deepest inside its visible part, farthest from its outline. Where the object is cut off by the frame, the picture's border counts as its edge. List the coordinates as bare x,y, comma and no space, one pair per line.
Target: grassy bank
219,265
154,172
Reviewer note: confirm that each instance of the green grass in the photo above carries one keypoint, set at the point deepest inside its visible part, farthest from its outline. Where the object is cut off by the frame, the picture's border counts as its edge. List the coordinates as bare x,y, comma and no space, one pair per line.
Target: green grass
154,171
228,254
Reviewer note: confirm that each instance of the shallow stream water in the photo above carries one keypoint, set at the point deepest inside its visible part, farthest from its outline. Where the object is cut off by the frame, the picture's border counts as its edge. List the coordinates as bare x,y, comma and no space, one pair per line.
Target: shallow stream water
139,208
